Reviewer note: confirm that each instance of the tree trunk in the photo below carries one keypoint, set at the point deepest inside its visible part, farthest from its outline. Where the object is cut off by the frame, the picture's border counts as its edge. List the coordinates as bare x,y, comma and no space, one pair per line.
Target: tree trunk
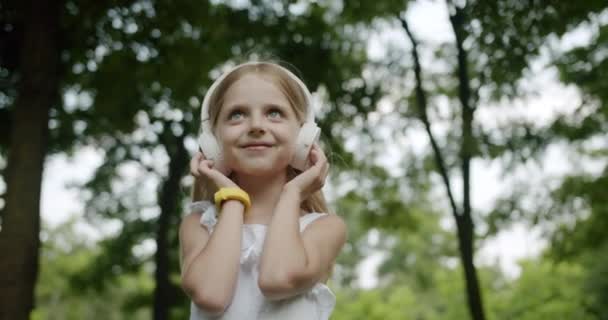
169,196
38,90
465,242
464,222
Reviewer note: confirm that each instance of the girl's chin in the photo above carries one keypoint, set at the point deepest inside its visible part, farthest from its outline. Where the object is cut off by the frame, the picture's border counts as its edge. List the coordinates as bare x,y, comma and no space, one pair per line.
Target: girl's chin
259,171
257,167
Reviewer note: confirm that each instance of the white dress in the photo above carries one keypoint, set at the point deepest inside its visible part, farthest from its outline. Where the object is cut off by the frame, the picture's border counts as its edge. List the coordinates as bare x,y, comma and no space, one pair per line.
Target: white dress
248,301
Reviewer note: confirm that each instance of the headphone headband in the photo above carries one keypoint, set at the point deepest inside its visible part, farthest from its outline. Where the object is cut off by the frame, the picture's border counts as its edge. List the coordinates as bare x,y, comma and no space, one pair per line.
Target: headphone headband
205,121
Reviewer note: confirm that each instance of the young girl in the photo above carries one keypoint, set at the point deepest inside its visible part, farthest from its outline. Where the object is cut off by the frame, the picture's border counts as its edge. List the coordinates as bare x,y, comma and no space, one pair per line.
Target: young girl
261,244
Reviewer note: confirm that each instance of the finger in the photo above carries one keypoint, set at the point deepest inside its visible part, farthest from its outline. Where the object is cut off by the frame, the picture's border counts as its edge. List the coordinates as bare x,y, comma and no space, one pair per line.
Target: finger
219,178
320,152
194,165
313,156
204,167
319,158
315,164
325,171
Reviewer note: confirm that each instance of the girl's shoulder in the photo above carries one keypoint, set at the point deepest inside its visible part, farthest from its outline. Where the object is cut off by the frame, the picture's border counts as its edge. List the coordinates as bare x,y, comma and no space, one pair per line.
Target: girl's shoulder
329,219
308,218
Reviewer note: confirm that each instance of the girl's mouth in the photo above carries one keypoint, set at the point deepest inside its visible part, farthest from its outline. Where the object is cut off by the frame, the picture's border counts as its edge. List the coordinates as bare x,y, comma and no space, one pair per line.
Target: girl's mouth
258,147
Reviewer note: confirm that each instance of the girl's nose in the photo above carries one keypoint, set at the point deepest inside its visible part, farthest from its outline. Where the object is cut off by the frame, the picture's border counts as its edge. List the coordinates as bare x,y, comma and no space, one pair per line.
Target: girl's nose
257,124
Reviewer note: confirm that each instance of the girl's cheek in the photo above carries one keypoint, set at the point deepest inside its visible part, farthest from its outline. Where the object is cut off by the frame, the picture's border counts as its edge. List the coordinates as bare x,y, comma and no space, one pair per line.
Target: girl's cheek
230,163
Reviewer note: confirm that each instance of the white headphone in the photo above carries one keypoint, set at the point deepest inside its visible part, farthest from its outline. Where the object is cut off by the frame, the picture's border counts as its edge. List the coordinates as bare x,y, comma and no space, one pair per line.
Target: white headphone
308,135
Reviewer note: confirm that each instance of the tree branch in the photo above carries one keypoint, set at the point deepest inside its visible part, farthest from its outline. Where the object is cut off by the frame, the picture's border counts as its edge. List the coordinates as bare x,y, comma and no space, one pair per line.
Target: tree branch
421,102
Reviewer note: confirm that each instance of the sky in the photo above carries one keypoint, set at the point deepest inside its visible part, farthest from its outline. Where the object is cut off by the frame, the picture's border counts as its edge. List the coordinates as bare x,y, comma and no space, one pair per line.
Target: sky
429,22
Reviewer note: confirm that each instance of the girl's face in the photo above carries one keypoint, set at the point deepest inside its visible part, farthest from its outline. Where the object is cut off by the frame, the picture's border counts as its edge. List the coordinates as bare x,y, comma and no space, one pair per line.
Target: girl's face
257,127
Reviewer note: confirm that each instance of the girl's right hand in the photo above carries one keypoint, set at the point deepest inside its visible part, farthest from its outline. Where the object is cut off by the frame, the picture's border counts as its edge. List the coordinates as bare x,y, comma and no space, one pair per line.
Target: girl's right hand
201,167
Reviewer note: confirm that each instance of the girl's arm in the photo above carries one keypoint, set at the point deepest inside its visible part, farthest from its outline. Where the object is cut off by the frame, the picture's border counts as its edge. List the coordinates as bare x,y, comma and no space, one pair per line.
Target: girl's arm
293,262
210,264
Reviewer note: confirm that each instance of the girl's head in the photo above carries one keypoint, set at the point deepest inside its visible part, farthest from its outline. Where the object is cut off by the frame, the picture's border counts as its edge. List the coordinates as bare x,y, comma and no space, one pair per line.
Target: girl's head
291,90
256,113
257,104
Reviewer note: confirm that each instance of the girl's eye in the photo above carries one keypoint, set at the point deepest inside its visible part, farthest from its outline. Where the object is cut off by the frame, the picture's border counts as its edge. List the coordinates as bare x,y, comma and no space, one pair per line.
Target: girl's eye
275,113
235,115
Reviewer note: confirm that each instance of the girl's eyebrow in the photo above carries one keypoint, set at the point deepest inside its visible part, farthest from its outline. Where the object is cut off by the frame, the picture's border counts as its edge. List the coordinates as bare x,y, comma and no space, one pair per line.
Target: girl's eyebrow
239,105
235,106
276,105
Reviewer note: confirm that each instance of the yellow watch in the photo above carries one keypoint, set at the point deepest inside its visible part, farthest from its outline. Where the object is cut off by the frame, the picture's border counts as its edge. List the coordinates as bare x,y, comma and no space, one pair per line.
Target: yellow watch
231,194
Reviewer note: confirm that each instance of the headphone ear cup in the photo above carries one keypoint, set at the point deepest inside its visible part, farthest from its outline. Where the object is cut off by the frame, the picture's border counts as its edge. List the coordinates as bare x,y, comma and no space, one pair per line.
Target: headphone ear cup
212,151
308,135
209,146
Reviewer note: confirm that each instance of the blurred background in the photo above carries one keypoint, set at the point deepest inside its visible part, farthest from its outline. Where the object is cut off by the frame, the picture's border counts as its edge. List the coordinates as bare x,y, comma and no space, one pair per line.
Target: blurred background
467,141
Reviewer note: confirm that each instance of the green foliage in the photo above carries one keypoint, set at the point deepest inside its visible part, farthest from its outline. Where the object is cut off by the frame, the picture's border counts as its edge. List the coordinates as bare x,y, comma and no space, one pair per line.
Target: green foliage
377,304
584,66
580,206
509,33
366,11
65,254
596,281
545,291
585,197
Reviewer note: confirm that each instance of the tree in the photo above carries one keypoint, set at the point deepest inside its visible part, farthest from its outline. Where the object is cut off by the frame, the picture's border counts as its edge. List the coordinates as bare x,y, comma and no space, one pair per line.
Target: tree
37,91
573,212
479,72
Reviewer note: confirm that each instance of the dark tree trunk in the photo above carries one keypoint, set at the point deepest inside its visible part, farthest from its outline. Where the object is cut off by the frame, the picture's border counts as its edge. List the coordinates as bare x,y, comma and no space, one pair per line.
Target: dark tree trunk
38,90
164,293
465,242
464,223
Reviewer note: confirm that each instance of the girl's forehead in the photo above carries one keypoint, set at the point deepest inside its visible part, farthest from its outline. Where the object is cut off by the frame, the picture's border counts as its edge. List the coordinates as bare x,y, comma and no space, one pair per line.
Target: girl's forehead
255,89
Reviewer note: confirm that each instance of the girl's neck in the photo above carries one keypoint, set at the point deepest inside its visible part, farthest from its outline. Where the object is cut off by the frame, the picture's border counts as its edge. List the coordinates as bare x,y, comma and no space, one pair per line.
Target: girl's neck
264,192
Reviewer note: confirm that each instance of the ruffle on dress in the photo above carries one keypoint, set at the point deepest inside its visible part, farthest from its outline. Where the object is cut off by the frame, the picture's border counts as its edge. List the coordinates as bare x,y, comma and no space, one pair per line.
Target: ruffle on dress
250,252
208,217
325,299
199,206
318,303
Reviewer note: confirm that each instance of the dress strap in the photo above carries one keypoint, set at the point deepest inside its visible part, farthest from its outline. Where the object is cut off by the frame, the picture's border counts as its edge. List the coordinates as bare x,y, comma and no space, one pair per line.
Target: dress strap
307,219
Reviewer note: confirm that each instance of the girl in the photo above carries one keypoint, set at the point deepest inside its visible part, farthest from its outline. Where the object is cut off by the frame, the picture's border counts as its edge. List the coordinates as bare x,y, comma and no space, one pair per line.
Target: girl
266,246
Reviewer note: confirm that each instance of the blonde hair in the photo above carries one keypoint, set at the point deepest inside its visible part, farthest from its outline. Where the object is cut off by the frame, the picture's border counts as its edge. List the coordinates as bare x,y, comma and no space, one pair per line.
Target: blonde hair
203,188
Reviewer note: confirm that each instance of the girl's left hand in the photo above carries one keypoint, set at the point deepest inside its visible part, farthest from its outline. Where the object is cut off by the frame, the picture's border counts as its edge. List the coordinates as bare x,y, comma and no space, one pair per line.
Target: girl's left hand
201,167
313,178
